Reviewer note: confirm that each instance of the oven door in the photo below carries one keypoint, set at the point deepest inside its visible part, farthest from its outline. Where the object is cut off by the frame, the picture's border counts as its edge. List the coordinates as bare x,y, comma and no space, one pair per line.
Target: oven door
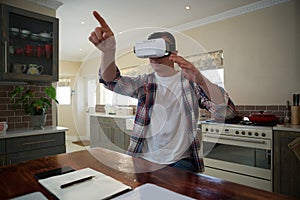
239,159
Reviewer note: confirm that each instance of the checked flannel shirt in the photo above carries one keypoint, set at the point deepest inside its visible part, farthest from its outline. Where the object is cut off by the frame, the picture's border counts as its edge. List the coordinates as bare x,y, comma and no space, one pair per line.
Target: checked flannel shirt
143,87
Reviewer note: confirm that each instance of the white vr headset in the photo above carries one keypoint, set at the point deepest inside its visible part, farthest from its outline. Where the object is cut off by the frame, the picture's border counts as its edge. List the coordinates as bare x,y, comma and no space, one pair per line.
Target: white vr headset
153,48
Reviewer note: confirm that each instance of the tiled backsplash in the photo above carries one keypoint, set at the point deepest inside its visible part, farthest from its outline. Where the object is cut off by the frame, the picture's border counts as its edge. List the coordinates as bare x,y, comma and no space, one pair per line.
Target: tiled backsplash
246,110
16,118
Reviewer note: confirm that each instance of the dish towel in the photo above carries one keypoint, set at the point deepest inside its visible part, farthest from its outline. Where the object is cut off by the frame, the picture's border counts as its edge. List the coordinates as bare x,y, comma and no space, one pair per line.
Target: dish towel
295,147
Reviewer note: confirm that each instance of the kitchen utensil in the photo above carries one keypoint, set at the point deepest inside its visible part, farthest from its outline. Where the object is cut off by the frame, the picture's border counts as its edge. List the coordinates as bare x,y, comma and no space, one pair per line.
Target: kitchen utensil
39,51
19,68
11,49
44,36
286,112
28,50
295,115
34,69
296,99
25,33
3,127
48,51
15,31
263,117
34,36
19,51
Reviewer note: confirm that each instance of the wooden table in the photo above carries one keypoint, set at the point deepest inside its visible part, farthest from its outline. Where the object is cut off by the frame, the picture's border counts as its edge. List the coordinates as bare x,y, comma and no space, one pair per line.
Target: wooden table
16,180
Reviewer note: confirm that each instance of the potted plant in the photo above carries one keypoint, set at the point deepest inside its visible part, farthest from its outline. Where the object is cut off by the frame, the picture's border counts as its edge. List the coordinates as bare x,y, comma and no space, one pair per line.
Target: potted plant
35,107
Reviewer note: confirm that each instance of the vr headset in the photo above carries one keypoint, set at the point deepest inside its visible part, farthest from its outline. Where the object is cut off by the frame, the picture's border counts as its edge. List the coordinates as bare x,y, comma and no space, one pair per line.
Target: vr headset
153,48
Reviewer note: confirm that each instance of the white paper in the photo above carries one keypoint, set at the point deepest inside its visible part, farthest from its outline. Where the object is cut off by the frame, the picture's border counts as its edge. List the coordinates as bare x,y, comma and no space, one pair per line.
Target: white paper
31,196
102,186
149,192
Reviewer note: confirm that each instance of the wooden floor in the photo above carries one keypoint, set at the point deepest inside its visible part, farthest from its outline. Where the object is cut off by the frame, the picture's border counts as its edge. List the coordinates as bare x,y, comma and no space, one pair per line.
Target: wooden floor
71,147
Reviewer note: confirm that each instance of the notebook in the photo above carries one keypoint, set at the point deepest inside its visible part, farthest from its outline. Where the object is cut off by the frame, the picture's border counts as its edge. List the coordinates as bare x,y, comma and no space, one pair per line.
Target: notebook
149,192
100,186
31,196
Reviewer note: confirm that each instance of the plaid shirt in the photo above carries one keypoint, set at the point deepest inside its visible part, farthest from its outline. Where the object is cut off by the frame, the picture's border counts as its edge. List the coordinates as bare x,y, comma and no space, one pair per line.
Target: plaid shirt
144,88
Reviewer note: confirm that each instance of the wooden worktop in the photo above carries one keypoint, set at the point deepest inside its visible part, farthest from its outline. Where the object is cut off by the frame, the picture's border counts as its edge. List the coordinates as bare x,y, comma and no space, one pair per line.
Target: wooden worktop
16,180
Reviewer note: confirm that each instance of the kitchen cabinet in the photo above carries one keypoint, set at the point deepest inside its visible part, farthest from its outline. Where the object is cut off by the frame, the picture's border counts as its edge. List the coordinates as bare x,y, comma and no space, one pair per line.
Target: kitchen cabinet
2,153
109,133
286,165
29,46
29,146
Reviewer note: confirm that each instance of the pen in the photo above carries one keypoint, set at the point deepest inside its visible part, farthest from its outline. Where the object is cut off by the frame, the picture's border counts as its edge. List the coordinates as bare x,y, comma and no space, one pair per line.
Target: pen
76,181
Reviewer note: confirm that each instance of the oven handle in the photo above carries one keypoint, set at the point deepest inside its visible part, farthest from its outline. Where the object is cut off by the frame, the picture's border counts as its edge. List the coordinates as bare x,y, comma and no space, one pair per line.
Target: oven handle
235,139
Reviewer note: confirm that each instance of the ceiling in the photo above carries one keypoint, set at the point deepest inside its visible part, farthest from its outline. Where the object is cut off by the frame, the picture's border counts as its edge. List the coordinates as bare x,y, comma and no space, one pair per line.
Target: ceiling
76,20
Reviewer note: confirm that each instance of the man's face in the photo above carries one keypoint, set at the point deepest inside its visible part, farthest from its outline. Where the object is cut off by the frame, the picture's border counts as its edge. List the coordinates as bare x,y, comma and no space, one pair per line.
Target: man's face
159,64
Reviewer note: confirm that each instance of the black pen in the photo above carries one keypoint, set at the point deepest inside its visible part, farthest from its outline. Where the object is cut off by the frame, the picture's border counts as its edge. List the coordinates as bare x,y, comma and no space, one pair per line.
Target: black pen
76,181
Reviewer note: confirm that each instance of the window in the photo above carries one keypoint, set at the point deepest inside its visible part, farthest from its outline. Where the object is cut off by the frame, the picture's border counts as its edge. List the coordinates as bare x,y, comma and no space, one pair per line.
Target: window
210,64
63,91
108,97
215,75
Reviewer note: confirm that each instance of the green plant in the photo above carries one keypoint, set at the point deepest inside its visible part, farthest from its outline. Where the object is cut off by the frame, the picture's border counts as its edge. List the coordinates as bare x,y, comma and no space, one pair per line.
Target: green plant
33,105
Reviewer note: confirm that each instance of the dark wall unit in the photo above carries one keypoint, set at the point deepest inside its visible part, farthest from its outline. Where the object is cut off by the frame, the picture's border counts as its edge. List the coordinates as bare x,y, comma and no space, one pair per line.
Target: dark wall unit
286,164
29,46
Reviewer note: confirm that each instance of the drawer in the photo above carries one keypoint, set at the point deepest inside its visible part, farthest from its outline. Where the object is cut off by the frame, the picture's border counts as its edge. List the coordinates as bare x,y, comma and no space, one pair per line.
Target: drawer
13,158
2,146
34,142
120,123
106,120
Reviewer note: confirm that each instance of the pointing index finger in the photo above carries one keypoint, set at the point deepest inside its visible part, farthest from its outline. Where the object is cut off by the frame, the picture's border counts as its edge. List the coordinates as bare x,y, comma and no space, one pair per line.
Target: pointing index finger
100,20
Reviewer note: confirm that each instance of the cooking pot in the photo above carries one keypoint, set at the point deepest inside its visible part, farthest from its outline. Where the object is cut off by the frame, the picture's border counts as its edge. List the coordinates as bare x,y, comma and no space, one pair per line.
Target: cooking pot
262,117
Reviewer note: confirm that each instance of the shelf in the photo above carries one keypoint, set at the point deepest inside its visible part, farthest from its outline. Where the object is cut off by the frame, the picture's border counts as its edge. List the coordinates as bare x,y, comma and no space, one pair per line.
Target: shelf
28,38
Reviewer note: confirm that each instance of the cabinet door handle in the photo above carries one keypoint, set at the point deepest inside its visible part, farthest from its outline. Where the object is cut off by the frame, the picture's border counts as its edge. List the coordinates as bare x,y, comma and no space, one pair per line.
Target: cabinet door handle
233,140
5,56
38,142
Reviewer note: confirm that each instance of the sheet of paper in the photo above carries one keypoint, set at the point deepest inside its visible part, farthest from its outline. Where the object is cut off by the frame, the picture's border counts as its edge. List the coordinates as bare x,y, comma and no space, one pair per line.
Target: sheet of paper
100,187
31,196
149,192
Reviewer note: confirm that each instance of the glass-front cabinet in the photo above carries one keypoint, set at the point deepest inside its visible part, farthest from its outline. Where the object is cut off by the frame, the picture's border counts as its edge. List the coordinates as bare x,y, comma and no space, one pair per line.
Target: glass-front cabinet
29,46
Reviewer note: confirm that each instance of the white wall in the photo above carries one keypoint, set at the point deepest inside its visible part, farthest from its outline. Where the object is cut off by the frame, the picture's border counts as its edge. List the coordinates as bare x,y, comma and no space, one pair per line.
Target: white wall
260,53
65,113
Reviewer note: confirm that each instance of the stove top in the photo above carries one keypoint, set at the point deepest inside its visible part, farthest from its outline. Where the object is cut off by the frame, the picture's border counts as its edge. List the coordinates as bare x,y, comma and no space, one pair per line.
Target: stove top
237,130
242,120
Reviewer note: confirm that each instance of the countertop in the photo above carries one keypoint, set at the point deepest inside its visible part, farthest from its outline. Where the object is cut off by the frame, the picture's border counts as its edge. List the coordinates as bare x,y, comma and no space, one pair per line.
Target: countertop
30,131
18,179
287,127
279,127
98,114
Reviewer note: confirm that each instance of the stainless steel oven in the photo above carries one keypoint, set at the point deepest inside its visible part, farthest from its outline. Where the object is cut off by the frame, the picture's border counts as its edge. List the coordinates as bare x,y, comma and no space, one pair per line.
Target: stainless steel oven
238,153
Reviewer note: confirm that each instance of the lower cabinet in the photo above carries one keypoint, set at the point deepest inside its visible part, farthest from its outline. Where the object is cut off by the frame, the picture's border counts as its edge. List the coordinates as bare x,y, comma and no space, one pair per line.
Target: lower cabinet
109,133
23,148
2,160
13,158
286,165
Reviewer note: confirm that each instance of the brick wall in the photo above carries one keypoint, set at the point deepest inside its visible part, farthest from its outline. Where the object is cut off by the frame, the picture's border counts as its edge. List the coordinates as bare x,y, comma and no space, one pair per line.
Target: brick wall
246,110
16,118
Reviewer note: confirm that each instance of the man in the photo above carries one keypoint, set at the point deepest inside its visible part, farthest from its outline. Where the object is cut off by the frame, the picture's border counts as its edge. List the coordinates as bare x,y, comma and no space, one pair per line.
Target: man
165,126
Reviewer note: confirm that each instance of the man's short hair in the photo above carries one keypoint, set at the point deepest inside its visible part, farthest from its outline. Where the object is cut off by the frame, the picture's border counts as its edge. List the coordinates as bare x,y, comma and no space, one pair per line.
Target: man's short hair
171,38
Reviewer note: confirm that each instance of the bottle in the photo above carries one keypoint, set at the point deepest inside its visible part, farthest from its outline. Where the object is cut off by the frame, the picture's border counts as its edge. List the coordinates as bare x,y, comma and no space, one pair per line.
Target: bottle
287,112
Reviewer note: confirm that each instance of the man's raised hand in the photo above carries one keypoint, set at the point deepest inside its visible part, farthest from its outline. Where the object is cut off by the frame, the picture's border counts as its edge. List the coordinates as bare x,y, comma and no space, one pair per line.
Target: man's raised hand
102,37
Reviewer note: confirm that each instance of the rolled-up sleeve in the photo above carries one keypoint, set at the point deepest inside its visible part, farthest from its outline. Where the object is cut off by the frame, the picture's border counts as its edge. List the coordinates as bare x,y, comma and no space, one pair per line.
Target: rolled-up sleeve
125,85
221,111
